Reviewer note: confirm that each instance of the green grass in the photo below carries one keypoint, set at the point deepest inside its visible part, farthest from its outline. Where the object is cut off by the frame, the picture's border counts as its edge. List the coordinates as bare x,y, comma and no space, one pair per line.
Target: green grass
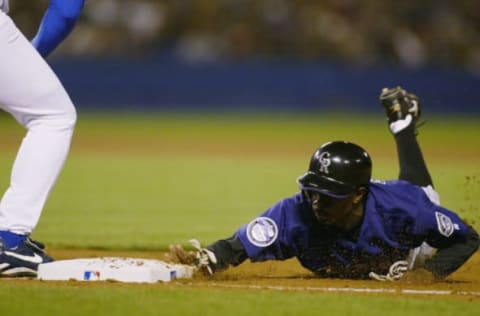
164,300
143,182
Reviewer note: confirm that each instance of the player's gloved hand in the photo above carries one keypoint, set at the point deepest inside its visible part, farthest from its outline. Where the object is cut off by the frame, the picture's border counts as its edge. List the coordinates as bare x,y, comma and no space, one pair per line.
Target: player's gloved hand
203,259
396,271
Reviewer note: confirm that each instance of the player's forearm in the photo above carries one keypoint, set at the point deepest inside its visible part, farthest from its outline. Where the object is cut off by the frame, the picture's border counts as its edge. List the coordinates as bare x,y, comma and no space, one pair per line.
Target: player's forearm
449,259
57,23
228,251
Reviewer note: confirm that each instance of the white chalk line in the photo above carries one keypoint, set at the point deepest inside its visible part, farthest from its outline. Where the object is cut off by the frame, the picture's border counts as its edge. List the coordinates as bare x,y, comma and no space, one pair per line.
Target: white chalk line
341,289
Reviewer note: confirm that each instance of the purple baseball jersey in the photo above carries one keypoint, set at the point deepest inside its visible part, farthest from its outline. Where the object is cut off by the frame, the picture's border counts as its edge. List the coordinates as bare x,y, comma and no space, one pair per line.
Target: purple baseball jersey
398,217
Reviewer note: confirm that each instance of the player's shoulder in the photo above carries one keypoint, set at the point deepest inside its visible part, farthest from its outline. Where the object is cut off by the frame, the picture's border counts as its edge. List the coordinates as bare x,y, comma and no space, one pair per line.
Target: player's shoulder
294,200
296,209
395,194
392,186
287,204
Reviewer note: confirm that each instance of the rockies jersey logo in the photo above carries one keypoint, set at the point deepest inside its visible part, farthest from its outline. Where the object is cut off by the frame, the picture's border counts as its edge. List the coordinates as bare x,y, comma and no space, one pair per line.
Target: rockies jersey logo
324,161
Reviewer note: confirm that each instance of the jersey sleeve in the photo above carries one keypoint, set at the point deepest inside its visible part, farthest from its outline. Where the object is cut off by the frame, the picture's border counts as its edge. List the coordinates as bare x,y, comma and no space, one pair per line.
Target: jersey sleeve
271,236
57,23
440,227
455,241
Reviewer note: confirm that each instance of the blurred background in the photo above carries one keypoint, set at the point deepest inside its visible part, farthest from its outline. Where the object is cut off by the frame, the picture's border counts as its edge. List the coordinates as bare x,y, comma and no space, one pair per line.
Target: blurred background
207,94
286,55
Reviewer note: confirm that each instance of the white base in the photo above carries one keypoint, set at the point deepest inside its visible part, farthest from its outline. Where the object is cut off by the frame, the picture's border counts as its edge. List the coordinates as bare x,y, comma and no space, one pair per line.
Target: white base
115,269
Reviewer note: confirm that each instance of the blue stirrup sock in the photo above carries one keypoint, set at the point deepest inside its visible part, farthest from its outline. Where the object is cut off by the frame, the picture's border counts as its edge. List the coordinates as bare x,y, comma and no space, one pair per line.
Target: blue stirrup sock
11,240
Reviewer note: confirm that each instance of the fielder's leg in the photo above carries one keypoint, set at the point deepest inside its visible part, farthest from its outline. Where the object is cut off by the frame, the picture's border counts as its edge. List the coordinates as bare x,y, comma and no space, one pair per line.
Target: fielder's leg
34,96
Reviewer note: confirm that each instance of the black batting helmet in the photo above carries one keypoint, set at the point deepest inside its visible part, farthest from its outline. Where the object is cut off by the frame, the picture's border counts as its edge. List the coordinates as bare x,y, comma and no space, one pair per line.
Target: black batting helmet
336,169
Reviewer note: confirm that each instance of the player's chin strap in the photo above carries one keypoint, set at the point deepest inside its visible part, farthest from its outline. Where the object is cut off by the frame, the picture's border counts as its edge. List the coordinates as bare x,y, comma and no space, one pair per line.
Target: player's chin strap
205,259
396,271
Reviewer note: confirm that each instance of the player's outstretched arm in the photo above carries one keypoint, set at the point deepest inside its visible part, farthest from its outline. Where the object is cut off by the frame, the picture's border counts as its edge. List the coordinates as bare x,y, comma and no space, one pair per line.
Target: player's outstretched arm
215,257
57,23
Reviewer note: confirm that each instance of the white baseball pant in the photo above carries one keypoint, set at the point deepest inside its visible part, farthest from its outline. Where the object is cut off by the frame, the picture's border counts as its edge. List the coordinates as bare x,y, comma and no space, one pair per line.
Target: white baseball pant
34,96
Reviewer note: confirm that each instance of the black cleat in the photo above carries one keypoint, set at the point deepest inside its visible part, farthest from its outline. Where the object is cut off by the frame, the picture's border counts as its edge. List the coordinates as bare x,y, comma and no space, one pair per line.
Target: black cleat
23,260
398,103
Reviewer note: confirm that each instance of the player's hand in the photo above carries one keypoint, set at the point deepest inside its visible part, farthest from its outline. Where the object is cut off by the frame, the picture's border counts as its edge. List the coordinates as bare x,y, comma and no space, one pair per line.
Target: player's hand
178,254
203,259
396,271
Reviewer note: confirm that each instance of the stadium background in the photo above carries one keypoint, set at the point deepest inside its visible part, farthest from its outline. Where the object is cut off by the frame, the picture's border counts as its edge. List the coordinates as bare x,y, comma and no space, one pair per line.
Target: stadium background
133,184
237,55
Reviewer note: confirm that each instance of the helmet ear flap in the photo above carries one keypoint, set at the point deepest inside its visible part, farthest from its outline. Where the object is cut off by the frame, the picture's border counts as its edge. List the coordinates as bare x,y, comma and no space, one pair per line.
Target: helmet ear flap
337,169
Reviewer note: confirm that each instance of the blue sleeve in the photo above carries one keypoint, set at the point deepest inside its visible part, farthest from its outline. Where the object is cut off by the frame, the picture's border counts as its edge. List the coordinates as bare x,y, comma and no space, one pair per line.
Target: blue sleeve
273,234
58,21
440,226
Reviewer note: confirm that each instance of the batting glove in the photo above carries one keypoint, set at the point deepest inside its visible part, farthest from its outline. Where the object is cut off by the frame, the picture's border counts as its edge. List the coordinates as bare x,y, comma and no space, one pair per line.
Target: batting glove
205,259
396,271
202,259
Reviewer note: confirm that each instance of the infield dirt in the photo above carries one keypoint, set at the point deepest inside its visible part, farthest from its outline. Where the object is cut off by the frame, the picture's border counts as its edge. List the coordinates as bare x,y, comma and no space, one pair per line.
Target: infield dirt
288,275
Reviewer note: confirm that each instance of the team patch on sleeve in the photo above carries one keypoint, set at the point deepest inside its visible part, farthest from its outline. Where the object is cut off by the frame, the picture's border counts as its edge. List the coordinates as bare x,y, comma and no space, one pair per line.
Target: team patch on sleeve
262,231
444,224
